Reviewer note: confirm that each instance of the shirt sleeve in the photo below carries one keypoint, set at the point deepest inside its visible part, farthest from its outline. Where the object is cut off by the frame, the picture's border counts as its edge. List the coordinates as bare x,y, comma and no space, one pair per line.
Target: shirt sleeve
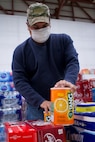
21,81
71,60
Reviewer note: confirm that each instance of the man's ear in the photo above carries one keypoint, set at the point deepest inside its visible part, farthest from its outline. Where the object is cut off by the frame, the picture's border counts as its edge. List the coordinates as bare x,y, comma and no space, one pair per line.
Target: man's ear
29,31
28,27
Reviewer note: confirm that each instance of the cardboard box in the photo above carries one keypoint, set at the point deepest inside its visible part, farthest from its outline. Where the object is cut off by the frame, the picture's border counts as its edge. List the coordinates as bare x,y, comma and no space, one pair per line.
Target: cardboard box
48,132
20,132
85,121
77,134
34,131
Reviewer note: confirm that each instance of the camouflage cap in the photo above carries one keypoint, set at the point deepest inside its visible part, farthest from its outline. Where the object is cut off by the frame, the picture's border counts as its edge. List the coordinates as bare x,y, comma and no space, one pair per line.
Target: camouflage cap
38,12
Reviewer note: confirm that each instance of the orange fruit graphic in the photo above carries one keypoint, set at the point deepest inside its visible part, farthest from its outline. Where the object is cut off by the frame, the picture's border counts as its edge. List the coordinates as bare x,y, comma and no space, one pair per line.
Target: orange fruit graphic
60,105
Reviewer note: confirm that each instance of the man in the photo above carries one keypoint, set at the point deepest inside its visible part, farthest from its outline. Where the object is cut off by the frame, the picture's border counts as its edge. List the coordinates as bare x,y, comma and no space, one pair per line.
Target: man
43,61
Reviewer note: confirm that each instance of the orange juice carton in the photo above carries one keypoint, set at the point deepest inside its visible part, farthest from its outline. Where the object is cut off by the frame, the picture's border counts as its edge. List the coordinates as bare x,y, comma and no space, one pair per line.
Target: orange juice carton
63,106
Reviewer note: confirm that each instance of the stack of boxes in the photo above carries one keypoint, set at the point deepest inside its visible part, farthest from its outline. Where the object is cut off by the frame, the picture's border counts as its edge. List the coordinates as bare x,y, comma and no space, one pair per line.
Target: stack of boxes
85,87
34,131
10,102
83,129
38,131
13,128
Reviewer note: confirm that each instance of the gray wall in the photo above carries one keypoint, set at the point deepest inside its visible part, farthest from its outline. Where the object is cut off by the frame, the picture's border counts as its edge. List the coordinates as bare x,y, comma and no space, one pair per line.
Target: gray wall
13,31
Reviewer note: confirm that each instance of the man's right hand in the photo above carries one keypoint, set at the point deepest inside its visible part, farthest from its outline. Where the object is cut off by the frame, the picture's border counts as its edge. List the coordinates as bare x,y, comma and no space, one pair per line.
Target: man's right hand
46,105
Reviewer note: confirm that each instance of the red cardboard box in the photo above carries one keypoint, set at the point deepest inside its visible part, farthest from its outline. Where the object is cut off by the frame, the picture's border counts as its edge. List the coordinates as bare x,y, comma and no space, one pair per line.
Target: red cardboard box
48,132
34,131
20,132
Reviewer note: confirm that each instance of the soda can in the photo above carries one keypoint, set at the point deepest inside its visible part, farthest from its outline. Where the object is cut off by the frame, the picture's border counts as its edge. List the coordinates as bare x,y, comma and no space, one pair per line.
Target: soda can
63,101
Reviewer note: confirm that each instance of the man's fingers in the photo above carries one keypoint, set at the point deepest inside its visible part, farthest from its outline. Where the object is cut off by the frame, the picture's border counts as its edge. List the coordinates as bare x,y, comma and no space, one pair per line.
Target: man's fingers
46,106
64,83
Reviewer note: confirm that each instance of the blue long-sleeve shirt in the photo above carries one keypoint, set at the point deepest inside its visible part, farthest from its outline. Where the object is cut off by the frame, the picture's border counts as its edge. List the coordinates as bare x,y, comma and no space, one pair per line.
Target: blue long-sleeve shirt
37,67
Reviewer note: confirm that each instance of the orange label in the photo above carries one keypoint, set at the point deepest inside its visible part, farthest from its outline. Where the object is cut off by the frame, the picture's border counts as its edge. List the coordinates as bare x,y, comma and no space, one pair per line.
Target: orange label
63,102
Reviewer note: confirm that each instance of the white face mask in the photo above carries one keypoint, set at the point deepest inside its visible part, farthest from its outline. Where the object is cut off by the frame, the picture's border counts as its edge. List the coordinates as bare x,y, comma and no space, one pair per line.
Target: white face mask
41,35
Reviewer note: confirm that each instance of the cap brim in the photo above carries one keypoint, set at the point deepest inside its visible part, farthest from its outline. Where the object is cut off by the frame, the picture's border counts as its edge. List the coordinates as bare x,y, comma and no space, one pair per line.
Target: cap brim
37,20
